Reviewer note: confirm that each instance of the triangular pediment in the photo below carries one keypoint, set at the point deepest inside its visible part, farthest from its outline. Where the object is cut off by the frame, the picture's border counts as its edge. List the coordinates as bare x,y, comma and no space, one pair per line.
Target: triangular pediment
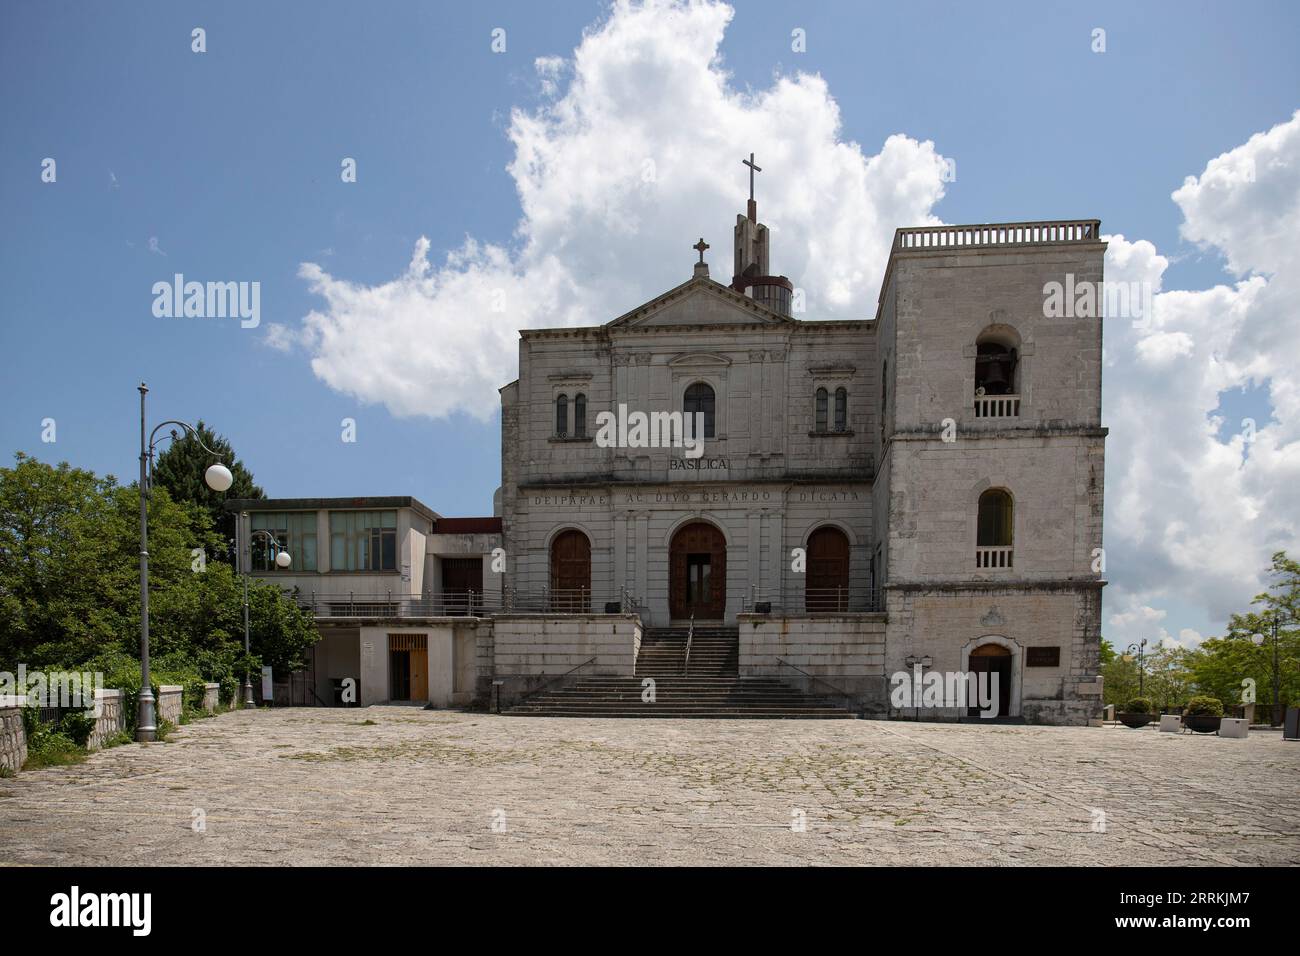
701,302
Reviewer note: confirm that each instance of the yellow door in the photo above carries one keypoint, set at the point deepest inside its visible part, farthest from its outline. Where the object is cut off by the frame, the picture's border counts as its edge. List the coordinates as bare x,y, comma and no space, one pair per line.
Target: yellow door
420,674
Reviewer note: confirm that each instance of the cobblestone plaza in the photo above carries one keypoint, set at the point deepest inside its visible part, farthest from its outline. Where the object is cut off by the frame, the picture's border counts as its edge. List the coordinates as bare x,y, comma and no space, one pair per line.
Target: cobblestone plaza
402,785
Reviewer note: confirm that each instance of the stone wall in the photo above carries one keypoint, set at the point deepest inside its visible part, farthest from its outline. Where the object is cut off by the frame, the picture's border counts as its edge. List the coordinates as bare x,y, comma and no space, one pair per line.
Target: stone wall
947,624
531,649
211,698
111,720
846,651
170,702
13,739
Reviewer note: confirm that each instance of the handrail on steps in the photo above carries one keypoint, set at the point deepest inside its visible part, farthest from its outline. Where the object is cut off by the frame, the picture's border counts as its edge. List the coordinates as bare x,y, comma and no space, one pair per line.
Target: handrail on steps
541,687
843,693
690,636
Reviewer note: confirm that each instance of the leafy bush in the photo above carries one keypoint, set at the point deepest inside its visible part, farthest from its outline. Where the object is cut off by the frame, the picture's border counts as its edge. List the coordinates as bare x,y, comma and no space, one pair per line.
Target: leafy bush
77,726
1203,707
1138,705
47,747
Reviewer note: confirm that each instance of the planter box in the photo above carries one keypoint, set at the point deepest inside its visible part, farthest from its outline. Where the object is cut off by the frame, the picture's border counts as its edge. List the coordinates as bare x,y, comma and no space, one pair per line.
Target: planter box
1135,721
1202,723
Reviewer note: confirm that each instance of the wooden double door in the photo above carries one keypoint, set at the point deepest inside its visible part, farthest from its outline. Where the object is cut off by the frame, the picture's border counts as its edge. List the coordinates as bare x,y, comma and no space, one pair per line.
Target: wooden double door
697,572
571,572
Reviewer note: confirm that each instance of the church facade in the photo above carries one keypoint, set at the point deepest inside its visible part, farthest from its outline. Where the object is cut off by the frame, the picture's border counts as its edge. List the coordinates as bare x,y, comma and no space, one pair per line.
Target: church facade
869,511
919,492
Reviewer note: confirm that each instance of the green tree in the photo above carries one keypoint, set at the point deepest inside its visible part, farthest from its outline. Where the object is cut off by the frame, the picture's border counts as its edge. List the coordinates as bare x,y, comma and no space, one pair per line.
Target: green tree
69,583
181,467
1119,675
1225,662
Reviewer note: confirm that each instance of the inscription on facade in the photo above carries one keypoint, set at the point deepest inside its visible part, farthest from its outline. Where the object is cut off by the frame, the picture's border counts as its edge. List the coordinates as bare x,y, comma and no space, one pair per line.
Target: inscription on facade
1042,657
698,464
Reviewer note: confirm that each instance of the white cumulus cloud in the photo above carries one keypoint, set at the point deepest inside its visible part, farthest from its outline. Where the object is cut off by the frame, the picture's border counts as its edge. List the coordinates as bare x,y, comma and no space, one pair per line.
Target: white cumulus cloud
1196,504
634,154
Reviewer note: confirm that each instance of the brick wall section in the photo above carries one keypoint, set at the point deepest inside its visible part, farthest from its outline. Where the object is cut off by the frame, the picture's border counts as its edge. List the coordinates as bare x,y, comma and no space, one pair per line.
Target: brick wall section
111,720
169,702
13,739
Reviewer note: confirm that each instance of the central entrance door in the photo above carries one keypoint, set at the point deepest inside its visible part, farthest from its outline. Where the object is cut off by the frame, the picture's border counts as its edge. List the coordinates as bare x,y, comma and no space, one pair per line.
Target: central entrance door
697,572
826,583
992,659
571,572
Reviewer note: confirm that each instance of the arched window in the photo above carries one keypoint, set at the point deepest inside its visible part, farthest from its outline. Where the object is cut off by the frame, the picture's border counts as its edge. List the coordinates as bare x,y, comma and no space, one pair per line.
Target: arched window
580,416
820,425
699,400
562,416
995,519
995,530
841,409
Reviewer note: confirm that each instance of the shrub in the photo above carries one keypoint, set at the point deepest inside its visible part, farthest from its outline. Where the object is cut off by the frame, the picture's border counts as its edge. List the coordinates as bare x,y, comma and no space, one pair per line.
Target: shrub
77,726
1203,706
1138,705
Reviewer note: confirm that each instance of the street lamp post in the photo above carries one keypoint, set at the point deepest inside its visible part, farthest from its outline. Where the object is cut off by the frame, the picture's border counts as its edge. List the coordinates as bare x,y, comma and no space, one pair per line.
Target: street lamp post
1276,621
1138,648
218,478
282,561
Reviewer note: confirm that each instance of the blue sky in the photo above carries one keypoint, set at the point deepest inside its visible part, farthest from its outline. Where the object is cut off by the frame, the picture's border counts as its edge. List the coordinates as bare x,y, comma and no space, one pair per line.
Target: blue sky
229,159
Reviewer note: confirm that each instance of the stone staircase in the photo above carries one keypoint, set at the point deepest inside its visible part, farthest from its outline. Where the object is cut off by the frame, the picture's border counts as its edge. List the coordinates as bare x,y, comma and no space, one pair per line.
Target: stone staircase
707,686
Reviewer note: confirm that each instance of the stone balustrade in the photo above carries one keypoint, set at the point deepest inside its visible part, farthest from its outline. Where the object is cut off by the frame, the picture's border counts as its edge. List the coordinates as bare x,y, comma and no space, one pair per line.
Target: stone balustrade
13,739
211,698
111,720
997,234
170,703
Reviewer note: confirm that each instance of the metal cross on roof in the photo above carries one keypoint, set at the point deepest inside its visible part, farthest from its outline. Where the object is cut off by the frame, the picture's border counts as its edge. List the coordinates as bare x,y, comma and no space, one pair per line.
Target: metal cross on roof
701,246
752,170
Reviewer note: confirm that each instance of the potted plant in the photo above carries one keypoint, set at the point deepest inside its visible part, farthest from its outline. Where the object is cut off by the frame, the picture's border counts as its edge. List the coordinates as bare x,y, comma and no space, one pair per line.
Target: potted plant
1136,713
1203,715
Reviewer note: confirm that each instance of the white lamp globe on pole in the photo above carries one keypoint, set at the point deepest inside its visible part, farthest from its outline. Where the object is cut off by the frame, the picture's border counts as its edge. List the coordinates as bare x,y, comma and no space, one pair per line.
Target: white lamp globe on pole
1258,639
283,560
218,477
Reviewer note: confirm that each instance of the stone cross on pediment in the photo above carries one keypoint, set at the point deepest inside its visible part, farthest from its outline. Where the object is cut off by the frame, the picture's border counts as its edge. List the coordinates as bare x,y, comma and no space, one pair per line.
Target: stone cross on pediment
700,247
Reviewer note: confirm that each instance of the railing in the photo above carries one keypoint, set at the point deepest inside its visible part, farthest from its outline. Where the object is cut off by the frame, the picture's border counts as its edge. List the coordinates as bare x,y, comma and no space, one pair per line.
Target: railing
849,700
470,603
993,558
997,406
690,637
985,235
849,599
545,685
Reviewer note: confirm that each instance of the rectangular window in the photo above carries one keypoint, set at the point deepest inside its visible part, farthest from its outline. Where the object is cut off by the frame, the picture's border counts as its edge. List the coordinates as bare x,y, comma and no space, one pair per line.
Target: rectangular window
363,540
293,531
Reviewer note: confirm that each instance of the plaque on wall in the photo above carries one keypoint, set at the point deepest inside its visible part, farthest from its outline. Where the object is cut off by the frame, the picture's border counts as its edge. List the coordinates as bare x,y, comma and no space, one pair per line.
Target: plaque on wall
1042,657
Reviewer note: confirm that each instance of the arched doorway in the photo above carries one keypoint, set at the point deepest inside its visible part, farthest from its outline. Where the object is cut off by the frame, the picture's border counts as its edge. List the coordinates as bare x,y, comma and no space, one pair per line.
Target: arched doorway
992,659
826,583
697,572
571,572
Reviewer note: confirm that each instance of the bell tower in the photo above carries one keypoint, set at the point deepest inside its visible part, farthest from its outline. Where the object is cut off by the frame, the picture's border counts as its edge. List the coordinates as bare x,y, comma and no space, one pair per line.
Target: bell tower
752,247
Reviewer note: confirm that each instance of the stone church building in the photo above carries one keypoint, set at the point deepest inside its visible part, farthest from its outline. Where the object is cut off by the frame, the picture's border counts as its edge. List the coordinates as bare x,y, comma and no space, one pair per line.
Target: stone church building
916,492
